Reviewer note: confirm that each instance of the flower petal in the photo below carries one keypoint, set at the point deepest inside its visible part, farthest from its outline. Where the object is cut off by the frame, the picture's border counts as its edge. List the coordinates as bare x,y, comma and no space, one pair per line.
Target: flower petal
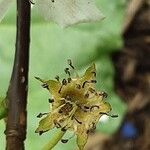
89,73
69,12
4,5
53,86
46,124
105,107
82,136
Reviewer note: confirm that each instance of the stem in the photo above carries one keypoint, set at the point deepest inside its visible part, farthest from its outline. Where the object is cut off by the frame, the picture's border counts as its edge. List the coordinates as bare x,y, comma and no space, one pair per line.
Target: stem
18,88
54,140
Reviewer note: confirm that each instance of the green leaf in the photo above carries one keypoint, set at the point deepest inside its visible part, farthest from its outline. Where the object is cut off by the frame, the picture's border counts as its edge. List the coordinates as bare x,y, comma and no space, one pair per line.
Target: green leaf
3,108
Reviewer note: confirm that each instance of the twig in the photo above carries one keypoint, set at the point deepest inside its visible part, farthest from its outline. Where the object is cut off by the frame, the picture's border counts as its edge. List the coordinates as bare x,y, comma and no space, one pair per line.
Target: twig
18,88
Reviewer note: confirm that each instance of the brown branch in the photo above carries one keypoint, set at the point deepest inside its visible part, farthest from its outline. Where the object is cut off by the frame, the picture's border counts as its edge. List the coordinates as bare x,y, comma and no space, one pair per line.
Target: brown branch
18,88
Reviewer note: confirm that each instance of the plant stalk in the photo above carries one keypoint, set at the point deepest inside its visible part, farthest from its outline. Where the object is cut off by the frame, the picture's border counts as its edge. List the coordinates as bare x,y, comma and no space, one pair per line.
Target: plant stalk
18,88
54,140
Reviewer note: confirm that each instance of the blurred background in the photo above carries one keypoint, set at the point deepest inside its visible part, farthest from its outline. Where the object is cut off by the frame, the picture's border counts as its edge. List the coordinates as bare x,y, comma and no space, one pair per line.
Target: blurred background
119,45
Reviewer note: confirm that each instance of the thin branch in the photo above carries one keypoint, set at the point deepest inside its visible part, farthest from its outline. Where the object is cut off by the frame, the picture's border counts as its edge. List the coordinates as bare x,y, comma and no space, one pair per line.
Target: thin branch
18,88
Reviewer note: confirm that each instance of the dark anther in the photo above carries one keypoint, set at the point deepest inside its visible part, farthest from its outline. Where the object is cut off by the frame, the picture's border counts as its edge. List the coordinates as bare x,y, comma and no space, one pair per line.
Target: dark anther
84,84
86,95
64,140
57,124
64,82
67,71
113,116
104,94
88,131
77,120
41,114
50,100
53,1
60,111
93,81
41,132
78,86
91,90
60,89
57,78
69,80
31,2
70,63
63,129
86,107
93,126
94,73
45,86
94,106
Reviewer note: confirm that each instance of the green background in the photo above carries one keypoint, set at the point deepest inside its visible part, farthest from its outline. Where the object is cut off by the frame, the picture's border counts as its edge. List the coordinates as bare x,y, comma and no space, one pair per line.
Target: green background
51,46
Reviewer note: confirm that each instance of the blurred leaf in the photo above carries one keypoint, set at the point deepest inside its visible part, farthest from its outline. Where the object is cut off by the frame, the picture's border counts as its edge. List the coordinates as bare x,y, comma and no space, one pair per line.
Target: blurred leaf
3,108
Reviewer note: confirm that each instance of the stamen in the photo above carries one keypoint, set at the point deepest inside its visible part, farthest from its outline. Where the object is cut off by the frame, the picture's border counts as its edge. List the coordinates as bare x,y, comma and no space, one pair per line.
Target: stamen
104,94
41,132
67,71
92,90
60,89
84,83
64,82
41,115
94,106
93,126
64,140
86,107
82,108
31,2
91,81
63,129
77,120
113,116
45,85
70,63
86,95
50,100
57,124
60,111
92,129
78,86
69,80
57,78
94,73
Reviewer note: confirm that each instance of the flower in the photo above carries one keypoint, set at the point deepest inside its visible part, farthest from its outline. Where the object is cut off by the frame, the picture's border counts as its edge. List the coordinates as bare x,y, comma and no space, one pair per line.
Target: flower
63,12
69,12
76,105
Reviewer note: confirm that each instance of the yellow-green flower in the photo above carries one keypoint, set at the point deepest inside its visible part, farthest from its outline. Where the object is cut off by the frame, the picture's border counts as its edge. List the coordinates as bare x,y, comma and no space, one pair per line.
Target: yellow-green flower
76,105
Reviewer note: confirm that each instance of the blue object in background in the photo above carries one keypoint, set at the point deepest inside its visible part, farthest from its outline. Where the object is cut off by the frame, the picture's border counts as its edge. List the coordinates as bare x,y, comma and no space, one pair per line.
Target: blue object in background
129,130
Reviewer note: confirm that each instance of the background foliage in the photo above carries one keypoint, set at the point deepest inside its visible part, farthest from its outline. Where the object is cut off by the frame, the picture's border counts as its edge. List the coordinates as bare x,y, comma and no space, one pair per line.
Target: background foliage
51,46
